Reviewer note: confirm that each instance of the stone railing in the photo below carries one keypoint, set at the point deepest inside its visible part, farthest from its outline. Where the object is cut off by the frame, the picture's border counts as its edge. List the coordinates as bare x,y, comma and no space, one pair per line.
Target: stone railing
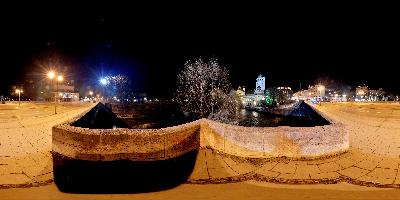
165,143
123,143
295,142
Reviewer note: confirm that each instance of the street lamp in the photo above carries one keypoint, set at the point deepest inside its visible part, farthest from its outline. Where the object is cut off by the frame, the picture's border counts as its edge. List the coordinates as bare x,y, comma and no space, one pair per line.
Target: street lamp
51,75
91,95
103,81
19,91
320,89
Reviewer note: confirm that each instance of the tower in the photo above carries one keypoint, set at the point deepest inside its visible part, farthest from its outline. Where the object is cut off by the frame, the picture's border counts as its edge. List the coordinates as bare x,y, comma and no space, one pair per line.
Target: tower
260,85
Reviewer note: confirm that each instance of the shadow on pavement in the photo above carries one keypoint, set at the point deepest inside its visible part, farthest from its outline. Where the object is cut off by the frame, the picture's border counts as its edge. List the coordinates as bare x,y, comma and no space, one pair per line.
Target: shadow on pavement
122,176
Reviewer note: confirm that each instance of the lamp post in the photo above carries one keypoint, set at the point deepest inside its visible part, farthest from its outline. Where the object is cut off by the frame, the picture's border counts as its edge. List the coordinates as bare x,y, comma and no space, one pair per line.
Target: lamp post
59,79
91,95
51,76
320,88
19,91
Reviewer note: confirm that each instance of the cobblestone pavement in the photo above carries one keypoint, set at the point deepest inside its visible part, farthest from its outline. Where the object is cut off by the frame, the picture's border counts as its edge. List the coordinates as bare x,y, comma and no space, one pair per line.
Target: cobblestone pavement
25,141
373,158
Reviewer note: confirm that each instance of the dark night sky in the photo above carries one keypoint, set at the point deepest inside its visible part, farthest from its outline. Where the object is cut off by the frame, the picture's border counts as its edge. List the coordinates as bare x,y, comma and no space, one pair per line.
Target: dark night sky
356,45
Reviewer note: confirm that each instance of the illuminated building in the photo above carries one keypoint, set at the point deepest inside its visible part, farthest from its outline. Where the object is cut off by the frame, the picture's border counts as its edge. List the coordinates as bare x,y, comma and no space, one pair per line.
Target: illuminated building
241,91
66,92
376,95
362,93
286,92
260,85
315,91
256,99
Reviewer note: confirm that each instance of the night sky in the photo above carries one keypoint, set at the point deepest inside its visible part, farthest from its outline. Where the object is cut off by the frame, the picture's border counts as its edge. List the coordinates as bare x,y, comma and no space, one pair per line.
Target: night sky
289,46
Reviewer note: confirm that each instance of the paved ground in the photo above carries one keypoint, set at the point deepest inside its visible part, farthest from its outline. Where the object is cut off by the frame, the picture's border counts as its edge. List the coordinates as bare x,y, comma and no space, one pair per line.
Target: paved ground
25,141
373,159
229,191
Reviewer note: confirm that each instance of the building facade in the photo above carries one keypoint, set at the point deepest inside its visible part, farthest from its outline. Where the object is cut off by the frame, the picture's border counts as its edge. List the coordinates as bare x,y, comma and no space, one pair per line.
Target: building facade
362,93
62,92
241,91
260,85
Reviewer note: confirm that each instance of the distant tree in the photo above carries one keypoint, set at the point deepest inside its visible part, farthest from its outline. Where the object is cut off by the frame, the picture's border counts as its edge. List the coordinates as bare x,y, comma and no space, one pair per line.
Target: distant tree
118,86
228,109
277,96
201,87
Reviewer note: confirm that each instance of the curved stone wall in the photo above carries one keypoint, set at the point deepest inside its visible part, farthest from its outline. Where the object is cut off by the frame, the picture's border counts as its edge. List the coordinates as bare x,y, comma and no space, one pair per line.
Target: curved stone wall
281,141
296,142
165,143
123,143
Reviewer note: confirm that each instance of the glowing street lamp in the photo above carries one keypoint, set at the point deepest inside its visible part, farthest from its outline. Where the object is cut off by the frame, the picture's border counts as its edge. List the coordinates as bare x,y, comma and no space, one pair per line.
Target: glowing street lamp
103,81
320,89
91,94
51,75
19,91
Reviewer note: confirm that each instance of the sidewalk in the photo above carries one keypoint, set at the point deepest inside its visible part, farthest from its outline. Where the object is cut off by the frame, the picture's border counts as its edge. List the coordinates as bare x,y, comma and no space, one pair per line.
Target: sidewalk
25,143
373,158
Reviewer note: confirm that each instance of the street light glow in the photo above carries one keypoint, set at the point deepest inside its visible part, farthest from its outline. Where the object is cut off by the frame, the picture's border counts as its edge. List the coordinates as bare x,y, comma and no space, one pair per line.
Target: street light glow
103,81
51,74
19,91
60,78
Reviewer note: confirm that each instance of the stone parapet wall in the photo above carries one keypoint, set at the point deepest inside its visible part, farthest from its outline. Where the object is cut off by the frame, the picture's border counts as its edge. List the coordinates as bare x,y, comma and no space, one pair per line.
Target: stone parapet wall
123,143
296,142
165,143
281,141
